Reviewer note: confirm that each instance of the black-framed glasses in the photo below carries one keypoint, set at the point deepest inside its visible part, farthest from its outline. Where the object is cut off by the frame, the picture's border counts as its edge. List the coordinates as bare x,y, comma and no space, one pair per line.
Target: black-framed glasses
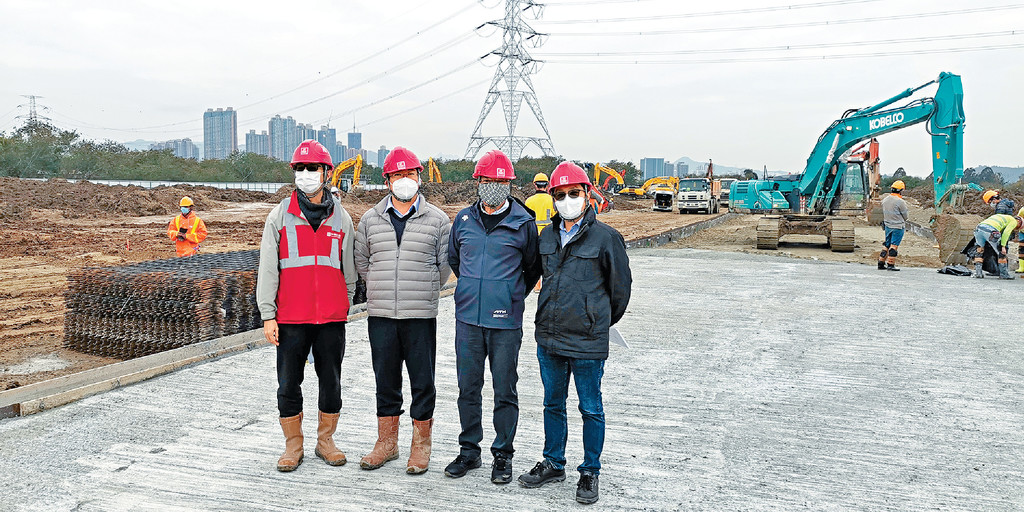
306,167
574,193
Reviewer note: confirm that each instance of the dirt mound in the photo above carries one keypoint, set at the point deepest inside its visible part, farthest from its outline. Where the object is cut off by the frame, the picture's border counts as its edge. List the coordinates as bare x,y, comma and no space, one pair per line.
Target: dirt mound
86,199
973,203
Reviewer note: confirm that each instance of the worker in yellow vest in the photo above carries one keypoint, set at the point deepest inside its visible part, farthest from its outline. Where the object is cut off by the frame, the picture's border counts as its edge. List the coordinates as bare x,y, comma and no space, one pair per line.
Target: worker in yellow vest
540,202
187,230
542,206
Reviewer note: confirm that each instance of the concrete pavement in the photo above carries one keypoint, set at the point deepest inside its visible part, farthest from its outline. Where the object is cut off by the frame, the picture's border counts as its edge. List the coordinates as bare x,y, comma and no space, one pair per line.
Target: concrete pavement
753,382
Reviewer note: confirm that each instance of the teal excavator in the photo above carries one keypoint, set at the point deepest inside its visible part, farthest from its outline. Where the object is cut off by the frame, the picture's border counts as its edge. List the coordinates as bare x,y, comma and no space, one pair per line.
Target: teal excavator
807,203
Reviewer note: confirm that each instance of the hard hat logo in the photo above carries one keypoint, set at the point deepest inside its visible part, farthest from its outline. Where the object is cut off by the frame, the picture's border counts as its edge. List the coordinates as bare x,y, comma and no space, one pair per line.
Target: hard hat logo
401,165
564,180
501,172
304,151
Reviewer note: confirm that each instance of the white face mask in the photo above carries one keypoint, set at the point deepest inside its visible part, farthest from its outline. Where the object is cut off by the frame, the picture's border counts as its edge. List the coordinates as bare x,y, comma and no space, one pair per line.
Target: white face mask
569,208
308,181
405,189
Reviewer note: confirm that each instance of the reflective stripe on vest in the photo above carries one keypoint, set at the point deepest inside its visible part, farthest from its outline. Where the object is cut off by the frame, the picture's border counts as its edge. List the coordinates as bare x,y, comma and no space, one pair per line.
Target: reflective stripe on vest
294,260
177,223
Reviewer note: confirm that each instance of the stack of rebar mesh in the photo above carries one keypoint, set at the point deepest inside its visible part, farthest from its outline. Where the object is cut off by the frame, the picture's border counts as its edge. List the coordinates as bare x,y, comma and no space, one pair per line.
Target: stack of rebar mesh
141,309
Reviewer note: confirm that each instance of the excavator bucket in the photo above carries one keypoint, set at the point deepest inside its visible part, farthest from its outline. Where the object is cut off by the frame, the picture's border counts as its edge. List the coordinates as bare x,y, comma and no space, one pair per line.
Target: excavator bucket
954,232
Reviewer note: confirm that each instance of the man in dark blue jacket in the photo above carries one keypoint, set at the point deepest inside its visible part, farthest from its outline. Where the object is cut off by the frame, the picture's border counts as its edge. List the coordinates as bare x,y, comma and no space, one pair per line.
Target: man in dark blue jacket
493,251
586,289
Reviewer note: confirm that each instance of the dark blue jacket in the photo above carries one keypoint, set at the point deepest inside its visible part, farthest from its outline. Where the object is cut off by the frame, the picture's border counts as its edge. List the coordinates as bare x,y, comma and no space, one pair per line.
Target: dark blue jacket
495,268
587,285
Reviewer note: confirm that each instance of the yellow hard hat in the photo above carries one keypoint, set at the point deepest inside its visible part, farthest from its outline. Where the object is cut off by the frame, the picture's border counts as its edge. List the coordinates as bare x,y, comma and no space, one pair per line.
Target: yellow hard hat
186,201
899,185
1020,213
540,177
989,194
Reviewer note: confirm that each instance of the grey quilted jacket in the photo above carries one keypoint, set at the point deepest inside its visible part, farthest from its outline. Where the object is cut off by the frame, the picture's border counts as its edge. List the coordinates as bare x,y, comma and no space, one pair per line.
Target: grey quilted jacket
403,281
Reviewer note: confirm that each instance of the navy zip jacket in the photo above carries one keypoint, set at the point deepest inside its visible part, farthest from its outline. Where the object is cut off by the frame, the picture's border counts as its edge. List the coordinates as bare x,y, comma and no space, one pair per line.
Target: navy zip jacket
495,268
586,288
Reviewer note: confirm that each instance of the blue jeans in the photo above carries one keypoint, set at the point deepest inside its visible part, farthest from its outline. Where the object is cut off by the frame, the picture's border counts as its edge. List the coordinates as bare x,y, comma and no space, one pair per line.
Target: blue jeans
893,237
587,373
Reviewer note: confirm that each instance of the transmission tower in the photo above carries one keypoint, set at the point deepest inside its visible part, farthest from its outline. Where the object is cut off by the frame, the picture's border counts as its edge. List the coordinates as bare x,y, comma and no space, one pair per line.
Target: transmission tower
33,116
511,85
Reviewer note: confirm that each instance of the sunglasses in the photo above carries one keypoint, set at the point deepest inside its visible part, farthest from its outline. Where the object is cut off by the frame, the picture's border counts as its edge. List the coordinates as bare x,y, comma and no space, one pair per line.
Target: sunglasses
575,193
306,167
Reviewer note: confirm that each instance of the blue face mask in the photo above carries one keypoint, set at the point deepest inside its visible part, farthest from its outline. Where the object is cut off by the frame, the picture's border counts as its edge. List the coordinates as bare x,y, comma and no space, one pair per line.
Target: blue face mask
185,210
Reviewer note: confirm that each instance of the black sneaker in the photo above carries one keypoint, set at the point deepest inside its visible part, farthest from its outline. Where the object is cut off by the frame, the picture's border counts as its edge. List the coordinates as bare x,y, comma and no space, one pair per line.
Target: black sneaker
892,268
461,464
586,488
501,469
541,474
881,265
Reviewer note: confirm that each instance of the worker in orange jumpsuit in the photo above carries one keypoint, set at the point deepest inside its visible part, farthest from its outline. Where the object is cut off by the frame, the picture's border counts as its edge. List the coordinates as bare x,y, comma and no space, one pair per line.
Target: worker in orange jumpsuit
187,230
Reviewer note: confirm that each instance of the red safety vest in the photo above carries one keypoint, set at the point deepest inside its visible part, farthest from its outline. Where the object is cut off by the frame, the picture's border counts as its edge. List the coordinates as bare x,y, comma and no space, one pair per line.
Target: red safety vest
312,286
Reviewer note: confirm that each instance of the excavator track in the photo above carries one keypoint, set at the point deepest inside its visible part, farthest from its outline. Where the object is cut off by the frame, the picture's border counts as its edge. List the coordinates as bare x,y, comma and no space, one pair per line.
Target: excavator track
841,236
768,233
953,233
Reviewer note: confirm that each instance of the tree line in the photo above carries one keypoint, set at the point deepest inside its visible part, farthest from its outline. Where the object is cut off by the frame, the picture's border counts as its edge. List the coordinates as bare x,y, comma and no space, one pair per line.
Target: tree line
41,150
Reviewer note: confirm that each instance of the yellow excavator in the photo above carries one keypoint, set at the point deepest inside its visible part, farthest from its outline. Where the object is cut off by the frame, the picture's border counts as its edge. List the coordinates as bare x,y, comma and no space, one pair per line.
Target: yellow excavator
433,173
357,163
657,182
612,174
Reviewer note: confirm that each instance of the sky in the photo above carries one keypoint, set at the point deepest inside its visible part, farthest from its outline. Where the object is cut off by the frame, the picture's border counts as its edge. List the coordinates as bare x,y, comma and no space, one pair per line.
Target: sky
746,83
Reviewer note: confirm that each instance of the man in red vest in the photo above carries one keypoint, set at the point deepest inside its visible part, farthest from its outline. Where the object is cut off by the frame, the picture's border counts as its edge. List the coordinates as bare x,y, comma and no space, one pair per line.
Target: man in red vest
306,279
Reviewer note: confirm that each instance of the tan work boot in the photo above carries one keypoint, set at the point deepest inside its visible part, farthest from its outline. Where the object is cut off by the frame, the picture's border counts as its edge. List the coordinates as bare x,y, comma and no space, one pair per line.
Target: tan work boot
325,448
292,456
386,447
419,454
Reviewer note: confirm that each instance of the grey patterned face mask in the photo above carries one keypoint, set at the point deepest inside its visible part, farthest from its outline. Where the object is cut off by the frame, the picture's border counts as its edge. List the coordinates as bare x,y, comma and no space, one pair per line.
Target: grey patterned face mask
494,194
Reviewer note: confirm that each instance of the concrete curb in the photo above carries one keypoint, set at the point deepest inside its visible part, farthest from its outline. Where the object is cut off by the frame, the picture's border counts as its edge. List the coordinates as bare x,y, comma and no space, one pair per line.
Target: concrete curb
678,233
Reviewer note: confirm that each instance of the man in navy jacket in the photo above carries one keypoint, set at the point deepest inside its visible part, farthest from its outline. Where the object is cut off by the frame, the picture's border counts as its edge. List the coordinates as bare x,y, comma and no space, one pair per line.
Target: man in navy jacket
493,251
587,285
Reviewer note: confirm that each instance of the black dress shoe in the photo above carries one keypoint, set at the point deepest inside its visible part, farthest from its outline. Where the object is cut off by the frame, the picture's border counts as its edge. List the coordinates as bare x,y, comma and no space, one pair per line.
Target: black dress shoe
586,488
501,469
461,465
541,474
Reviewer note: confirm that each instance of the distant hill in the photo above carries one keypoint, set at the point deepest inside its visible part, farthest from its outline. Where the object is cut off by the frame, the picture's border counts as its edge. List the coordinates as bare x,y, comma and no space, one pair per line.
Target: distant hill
697,168
1009,174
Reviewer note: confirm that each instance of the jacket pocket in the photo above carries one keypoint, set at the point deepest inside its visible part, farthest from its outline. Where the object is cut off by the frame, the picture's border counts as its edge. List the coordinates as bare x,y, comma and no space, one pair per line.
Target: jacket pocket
584,261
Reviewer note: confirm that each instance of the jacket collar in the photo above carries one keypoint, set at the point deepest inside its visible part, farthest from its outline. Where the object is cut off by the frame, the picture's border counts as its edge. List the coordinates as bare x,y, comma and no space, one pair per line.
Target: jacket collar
294,209
517,216
382,206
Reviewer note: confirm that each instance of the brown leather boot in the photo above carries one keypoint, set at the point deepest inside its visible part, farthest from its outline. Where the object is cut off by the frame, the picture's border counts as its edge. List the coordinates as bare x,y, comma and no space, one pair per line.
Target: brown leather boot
292,456
419,454
325,448
386,447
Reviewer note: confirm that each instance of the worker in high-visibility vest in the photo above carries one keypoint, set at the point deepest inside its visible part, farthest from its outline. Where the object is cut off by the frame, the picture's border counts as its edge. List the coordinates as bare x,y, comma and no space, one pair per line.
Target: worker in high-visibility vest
542,206
187,230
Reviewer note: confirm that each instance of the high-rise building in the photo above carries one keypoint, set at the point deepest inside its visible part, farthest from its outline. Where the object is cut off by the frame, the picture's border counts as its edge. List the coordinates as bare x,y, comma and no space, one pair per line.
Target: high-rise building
683,169
220,133
329,138
305,132
258,143
283,138
670,169
355,140
651,167
382,153
181,148
340,153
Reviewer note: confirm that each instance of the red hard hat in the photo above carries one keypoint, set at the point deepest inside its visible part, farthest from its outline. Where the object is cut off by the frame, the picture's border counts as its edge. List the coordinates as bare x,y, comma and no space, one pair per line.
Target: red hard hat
495,165
400,159
568,173
312,152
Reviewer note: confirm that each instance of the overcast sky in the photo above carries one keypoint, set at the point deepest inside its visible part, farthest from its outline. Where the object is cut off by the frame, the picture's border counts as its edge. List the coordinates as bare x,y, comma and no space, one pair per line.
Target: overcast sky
149,69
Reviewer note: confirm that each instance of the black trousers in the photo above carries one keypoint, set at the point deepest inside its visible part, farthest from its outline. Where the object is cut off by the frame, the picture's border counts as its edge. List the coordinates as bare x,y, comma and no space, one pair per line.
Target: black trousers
499,348
328,344
412,341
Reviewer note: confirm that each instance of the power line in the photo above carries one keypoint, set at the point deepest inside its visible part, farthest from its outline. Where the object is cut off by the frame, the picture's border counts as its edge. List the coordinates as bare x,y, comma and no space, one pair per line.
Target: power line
791,47
751,10
421,105
790,25
798,57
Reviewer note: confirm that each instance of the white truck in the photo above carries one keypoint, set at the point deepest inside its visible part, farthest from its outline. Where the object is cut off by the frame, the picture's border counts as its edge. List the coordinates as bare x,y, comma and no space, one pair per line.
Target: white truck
723,197
698,194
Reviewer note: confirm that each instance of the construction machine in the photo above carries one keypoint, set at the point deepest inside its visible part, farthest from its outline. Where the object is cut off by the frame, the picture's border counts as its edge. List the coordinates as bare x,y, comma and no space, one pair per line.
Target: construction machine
664,191
433,173
807,203
606,187
357,163
660,182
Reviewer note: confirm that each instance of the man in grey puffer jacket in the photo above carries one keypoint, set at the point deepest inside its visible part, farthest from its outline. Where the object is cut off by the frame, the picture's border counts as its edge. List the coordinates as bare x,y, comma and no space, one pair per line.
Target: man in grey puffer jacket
401,252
